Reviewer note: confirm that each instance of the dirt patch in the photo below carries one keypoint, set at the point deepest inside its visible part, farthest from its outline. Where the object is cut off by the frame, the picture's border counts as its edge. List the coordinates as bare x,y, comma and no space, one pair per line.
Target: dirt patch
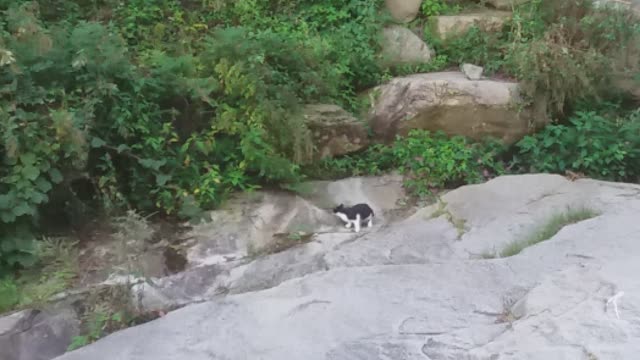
131,245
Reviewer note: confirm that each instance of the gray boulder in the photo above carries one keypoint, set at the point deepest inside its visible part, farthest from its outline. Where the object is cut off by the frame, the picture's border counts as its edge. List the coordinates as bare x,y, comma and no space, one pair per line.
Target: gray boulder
414,289
335,132
401,46
36,335
506,4
403,10
472,72
450,102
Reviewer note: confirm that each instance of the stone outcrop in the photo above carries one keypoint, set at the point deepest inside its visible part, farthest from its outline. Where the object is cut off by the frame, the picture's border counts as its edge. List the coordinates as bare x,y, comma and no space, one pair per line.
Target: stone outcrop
403,10
401,46
472,72
450,102
505,4
36,335
414,289
335,132
448,26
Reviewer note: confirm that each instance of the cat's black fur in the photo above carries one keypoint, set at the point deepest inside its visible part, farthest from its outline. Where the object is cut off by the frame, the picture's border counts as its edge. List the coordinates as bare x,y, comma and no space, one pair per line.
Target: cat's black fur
363,209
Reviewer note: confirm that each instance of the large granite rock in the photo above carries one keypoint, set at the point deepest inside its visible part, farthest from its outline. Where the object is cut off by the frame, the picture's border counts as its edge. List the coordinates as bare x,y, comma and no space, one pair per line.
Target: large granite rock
450,26
36,335
335,132
248,222
505,4
415,289
403,10
450,102
402,47
220,251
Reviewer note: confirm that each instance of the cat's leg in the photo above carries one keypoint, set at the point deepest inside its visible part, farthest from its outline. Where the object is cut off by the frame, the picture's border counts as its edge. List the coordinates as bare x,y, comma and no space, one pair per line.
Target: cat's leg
348,224
370,224
357,223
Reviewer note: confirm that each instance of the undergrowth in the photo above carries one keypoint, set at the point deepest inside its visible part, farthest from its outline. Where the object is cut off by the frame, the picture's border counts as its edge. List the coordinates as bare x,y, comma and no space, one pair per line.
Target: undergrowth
428,160
167,106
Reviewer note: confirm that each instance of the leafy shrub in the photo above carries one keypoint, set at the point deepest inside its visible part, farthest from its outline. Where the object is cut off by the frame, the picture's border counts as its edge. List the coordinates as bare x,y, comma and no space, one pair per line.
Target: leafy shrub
477,47
591,144
563,51
438,7
8,294
433,161
39,140
374,160
429,161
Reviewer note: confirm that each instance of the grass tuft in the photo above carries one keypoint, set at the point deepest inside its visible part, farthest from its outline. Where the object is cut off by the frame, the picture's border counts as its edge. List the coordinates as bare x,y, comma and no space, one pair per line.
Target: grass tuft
551,227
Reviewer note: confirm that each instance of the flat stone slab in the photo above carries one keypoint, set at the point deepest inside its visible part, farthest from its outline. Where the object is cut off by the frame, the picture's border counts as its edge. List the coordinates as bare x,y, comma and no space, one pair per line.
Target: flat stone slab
412,289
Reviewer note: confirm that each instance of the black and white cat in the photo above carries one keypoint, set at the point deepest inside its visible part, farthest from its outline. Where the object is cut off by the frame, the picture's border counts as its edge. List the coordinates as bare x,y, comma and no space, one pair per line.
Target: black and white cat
354,215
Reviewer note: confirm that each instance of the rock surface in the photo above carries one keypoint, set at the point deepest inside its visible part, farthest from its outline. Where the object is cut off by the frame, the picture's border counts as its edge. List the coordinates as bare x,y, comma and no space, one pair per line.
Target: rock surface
36,335
414,289
403,10
220,251
448,26
505,4
450,102
401,46
472,72
335,132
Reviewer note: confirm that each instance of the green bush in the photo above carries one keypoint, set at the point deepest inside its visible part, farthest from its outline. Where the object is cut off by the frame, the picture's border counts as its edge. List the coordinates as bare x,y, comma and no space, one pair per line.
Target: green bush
433,161
438,7
8,294
591,144
429,161
564,51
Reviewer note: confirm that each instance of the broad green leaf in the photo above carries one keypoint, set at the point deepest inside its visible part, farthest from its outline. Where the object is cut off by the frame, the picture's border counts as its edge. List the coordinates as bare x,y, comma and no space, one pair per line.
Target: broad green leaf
22,209
43,185
30,172
162,179
7,216
5,201
56,176
152,164
28,159
96,142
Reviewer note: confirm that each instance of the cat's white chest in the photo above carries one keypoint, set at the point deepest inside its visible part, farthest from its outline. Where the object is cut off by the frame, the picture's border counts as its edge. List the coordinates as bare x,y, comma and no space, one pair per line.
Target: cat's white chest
343,217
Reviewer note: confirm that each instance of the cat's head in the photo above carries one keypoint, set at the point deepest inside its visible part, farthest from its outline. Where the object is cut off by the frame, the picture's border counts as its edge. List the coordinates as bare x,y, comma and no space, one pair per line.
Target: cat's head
338,209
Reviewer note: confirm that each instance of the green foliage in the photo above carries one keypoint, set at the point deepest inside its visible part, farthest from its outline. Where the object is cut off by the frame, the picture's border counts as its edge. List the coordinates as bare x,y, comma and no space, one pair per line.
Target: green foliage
158,110
478,47
374,160
106,310
168,106
433,161
55,272
9,295
438,7
429,161
560,51
38,141
96,323
591,144
563,51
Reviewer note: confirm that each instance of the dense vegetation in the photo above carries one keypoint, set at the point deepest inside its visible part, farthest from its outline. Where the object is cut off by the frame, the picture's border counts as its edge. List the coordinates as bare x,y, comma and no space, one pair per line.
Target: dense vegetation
168,106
